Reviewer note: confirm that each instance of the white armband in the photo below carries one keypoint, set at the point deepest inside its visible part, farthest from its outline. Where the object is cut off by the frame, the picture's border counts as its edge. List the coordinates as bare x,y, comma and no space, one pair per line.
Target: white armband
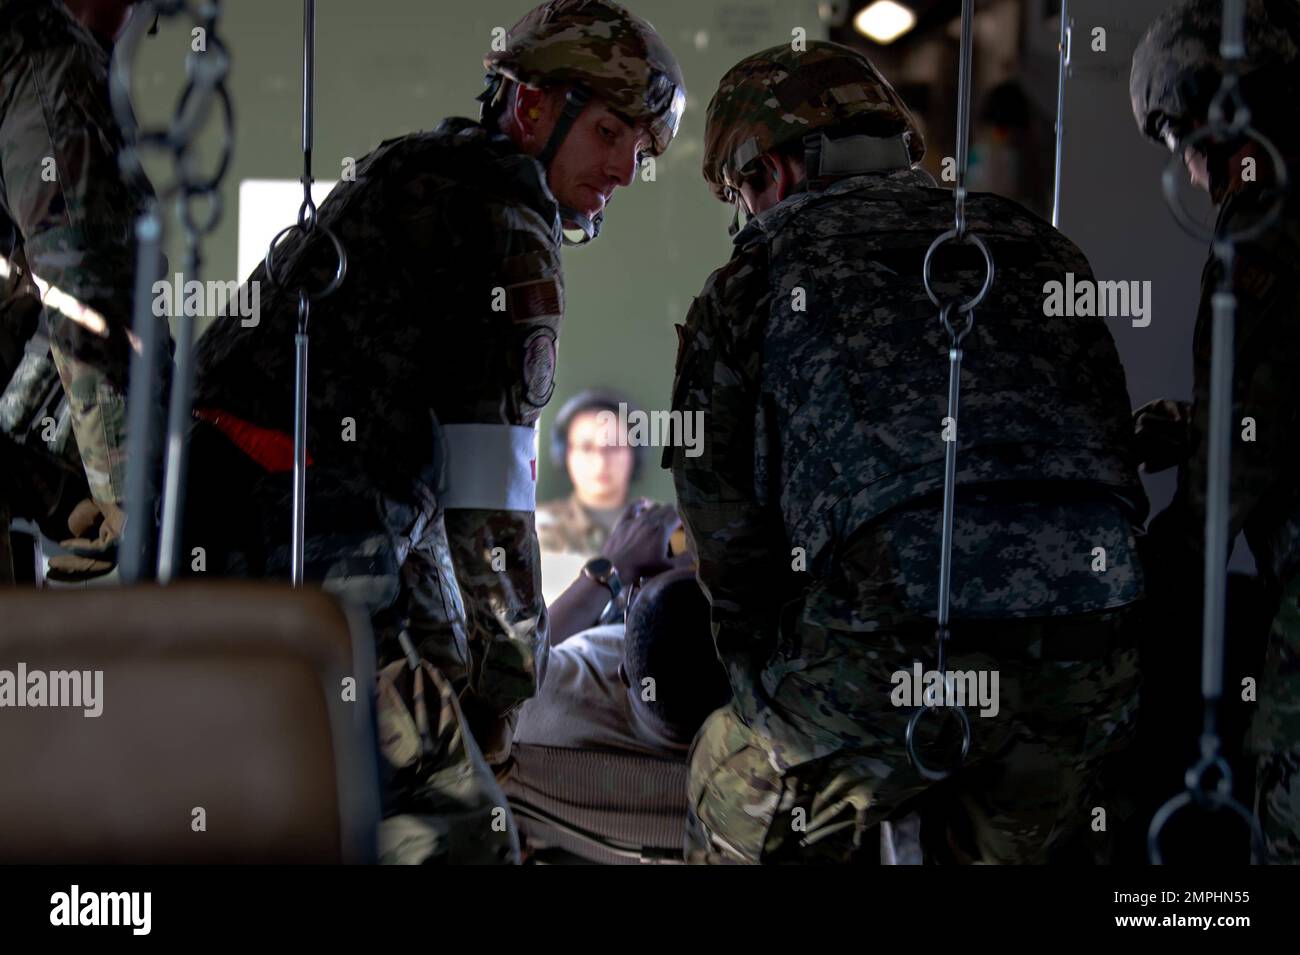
491,467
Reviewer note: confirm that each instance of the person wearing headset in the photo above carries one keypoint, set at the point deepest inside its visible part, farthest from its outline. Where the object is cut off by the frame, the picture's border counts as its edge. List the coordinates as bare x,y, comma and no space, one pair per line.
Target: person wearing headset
591,447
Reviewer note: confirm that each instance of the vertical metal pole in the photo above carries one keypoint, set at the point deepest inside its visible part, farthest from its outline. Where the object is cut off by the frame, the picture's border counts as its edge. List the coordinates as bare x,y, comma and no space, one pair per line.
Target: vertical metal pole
177,460
954,352
135,557
950,489
1223,304
1063,50
308,74
299,452
967,56
1232,39
300,340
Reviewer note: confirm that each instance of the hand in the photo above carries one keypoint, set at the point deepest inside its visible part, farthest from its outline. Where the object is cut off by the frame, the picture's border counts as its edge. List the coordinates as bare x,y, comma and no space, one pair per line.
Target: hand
96,527
638,544
1162,433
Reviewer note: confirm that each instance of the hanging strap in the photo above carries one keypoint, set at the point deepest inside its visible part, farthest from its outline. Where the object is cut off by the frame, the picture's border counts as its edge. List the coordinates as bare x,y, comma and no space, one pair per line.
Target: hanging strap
956,332
309,226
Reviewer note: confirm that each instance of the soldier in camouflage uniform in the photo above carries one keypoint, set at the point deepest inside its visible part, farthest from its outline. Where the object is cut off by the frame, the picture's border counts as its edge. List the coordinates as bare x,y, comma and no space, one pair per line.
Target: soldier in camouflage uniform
69,215
429,369
821,370
1176,71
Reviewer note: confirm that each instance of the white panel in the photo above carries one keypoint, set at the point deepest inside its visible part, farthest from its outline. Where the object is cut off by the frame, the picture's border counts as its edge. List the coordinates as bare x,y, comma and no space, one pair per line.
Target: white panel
265,207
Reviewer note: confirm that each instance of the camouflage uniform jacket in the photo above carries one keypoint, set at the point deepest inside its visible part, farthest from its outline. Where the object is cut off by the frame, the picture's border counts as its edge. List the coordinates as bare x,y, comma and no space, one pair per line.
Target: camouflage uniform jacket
449,314
73,215
821,371
564,526
1265,471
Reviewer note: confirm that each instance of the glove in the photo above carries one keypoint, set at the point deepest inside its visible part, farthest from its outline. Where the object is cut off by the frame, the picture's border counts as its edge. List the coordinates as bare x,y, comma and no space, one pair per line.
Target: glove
1162,434
90,557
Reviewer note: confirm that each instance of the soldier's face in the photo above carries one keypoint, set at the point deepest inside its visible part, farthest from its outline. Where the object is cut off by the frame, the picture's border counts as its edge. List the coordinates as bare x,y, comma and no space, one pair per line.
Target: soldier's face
780,174
599,154
599,461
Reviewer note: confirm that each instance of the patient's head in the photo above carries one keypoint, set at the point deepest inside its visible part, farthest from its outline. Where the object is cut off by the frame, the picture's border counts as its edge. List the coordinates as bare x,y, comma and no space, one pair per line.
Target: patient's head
668,657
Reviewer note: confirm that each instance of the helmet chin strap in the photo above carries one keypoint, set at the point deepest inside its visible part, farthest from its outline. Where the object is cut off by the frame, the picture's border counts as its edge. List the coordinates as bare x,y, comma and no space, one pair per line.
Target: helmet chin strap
588,226
574,102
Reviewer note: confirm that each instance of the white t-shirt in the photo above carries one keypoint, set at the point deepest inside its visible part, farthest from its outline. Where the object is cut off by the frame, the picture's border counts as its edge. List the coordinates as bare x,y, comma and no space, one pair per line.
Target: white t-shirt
584,705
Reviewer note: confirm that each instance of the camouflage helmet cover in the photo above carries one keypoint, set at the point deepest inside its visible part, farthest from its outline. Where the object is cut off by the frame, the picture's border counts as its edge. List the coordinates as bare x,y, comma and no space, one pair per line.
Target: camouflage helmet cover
779,95
1177,66
600,45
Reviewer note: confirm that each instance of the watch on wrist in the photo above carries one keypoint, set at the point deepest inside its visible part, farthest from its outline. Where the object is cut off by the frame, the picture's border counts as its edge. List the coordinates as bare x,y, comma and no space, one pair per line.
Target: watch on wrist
601,570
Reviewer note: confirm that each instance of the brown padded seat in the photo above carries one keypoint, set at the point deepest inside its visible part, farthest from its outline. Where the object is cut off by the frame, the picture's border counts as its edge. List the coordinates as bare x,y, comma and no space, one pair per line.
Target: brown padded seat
226,696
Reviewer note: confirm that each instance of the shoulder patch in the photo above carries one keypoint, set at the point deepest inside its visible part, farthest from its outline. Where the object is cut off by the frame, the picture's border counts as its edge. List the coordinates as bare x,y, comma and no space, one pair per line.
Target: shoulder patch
539,359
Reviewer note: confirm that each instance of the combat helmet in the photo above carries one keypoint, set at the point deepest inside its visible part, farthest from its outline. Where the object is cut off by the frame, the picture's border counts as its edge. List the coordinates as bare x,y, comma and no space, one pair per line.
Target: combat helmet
599,49
1177,67
780,95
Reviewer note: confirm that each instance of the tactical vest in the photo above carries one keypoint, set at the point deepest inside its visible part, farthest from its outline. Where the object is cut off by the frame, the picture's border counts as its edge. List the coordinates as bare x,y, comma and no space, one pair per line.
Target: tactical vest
468,332
855,360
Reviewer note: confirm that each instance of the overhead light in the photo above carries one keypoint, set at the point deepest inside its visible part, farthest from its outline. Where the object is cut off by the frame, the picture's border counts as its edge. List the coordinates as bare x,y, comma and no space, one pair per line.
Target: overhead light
884,21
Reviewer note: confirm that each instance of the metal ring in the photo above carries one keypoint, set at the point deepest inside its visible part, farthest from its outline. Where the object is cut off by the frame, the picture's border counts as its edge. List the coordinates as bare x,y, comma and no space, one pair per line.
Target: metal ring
910,740
193,183
969,239
1207,802
1173,170
339,273
206,78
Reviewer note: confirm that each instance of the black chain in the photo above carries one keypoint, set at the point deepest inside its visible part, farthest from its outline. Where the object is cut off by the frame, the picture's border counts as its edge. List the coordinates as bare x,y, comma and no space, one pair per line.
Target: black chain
206,72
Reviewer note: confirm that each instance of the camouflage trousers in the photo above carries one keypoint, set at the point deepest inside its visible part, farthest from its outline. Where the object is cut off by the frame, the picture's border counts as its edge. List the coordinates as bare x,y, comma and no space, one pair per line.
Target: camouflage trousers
442,803
1028,789
1275,734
